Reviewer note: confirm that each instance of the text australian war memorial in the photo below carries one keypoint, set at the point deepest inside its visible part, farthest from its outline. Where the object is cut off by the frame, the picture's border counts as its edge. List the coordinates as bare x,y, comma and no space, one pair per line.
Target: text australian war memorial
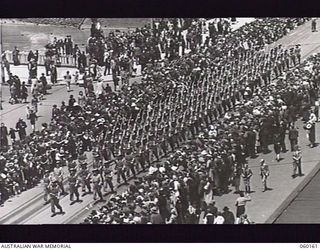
159,120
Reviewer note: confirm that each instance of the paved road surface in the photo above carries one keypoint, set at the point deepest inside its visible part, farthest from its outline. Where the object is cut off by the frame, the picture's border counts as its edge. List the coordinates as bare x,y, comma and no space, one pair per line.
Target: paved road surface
305,206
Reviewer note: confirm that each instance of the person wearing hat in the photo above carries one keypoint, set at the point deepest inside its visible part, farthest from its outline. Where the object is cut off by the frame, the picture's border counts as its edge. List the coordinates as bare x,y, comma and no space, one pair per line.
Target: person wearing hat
228,216
293,137
264,174
311,128
292,57
58,176
155,217
97,184
296,156
121,169
21,128
54,193
85,177
3,137
74,184
67,78
277,145
107,176
54,73
46,184
297,52
246,176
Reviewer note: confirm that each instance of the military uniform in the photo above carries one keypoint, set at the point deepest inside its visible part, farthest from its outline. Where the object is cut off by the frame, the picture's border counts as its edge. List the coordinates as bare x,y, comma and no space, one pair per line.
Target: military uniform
54,192
297,163
97,184
58,175
73,185
46,183
264,173
246,176
85,177
107,176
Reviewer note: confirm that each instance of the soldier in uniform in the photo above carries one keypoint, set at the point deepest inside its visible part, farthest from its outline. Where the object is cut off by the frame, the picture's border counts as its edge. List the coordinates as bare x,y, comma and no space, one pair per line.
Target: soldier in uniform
46,183
107,177
296,162
74,184
85,177
264,173
54,192
246,176
97,184
121,170
58,175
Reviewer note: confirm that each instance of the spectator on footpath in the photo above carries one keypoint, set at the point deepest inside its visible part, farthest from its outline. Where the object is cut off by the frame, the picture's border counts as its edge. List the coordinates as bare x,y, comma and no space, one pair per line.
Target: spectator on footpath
311,128
12,133
241,205
68,78
54,73
264,174
246,176
4,137
228,216
44,82
293,137
33,118
21,128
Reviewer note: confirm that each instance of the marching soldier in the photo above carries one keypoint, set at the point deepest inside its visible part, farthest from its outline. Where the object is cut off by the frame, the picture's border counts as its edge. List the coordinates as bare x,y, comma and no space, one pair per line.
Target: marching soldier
74,184
107,176
121,170
264,173
58,176
85,177
54,192
46,183
130,164
97,184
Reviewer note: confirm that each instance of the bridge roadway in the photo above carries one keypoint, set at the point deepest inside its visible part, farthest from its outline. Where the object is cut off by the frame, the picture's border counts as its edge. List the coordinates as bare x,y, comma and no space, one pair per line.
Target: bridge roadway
265,207
304,208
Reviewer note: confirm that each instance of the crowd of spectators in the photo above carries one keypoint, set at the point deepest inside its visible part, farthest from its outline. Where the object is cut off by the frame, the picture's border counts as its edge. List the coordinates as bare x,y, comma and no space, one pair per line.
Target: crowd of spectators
188,123
176,189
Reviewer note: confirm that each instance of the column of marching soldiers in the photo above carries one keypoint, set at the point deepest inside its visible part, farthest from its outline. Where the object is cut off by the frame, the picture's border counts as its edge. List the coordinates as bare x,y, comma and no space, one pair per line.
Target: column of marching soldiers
190,103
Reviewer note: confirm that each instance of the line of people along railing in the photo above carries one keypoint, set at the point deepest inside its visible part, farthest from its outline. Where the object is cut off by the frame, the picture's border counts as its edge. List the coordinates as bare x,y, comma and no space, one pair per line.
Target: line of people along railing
62,60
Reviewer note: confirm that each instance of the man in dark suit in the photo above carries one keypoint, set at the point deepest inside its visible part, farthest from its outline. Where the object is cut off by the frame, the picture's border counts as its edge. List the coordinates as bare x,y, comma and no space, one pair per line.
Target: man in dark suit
251,143
293,137
228,216
3,137
54,74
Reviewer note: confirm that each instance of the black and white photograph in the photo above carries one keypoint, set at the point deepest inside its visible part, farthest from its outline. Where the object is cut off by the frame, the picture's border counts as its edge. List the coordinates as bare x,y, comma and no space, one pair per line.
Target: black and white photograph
159,121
